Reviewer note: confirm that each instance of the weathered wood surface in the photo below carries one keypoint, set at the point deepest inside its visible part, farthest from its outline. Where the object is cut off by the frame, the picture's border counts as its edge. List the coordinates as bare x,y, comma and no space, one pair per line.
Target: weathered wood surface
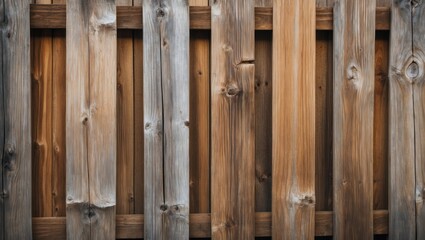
407,155
15,123
53,16
125,119
232,119
263,116
293,199
166,118
91,118
354,55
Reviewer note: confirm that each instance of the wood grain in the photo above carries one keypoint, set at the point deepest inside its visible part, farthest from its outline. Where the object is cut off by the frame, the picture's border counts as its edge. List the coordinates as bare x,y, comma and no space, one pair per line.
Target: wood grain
16,121
232,119
54,16
125,119
354,54
166,118
402,192
91,117
293,199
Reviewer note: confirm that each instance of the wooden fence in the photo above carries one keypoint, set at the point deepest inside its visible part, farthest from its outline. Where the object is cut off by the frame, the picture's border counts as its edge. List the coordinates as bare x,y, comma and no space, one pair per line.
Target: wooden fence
226,119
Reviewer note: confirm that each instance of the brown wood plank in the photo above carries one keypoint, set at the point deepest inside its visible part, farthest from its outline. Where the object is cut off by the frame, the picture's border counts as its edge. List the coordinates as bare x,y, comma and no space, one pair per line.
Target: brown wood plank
54,16
15,115
293,199
232,119
125,119
166,118
91,117
199,122
354,56
42,93
418,72
324,115
59,123
131,226
380,121
402,192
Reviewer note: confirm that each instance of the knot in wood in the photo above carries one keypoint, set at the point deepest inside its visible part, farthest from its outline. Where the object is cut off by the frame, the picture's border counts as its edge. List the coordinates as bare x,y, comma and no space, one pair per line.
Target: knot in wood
161,12
232,92
415,3
163,207
4,194
186,123
412,70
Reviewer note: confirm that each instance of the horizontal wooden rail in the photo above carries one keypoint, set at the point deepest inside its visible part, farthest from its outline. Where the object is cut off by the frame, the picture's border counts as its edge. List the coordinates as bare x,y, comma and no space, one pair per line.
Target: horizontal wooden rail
131,226
53,16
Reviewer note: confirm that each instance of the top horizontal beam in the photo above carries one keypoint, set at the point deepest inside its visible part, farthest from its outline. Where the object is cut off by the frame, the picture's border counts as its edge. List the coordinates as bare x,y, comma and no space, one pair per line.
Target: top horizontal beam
53,16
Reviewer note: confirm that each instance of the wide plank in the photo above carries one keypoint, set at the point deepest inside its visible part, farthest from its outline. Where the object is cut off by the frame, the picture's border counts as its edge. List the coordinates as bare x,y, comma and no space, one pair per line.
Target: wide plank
354,59
293,121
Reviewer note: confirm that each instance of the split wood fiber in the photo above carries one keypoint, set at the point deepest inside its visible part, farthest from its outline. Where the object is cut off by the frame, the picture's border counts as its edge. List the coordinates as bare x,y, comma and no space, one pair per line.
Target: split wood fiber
407,121
15,121
293,198
91,124
232,119
354,61
166,118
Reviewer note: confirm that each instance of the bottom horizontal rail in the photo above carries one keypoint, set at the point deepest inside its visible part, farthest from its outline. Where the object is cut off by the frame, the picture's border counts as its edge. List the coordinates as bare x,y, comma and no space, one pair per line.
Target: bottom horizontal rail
131,226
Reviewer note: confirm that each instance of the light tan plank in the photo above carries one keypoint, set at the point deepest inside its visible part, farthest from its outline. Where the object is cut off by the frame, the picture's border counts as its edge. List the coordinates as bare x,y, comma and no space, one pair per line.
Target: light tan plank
293,200
166,118
354,55
232,119
91,117
15,115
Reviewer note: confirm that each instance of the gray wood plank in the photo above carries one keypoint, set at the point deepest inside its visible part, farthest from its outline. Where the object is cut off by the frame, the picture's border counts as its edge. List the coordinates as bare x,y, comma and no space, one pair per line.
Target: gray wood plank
354,59
91,118
401,126
232,119
15,114
166,118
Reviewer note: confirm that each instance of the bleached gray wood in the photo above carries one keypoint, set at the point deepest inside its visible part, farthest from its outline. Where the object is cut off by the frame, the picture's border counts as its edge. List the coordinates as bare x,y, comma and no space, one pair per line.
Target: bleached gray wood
166,118
354,61
15,123
402,223
91,119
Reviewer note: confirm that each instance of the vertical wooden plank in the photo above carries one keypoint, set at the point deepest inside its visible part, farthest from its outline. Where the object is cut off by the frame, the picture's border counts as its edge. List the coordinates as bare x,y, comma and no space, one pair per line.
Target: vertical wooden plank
166,118
91,117
125,118
59,120
293,200
16,121
354,56
417,71
380,122
402,224
263,116
232,119
42,158
199,118
138,119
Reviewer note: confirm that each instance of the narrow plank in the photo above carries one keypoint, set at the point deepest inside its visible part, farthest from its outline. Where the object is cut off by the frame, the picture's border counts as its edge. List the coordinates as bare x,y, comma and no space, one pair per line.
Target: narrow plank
232,119
130,226
42,158
54,16
354,55
91,117
166,118
125,119
199,120
59,120
293,199
418,27
138,122
380,122
263,116
16,121
324,115
402,192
